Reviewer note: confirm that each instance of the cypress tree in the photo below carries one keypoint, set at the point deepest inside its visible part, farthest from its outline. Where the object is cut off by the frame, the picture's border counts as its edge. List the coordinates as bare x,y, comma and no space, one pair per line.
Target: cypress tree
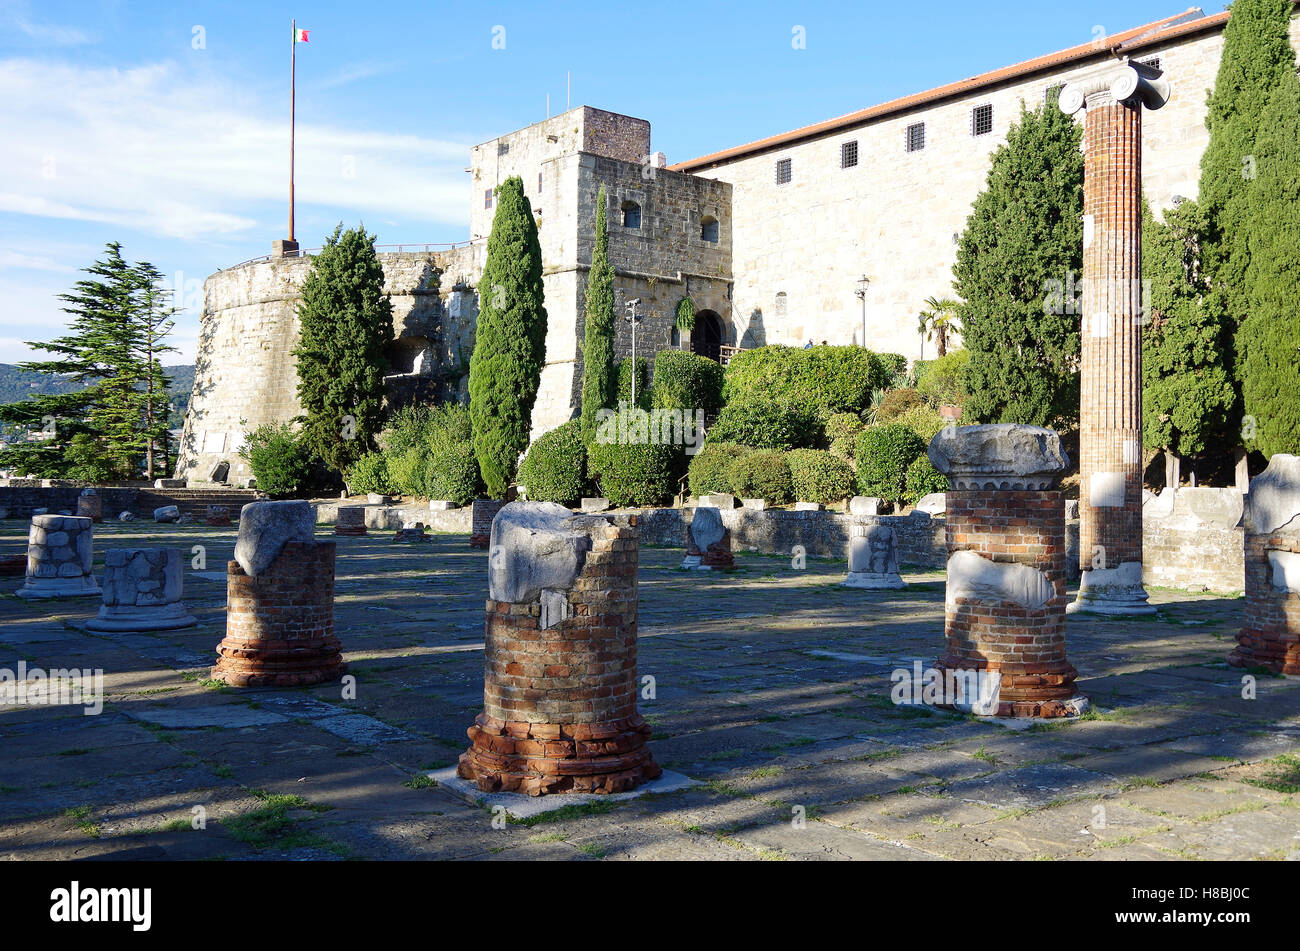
1268,340
346,329
598,382
505,368
1257,56
1023,245
156,323
1187,392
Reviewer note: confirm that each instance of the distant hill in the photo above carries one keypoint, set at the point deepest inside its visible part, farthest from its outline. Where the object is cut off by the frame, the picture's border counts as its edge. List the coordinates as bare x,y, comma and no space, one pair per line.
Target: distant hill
16,385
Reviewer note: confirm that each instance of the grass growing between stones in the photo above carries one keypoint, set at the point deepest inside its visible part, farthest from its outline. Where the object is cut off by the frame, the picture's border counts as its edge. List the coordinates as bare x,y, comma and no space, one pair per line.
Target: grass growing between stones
1284,774
563,814
270,825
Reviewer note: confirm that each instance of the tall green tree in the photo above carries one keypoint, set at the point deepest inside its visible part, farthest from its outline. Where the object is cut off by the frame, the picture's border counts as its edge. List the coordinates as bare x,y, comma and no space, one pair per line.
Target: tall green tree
346,330
155,322
505,369
1016,263
94,432
1187,391
598,383
1257,56
1268,340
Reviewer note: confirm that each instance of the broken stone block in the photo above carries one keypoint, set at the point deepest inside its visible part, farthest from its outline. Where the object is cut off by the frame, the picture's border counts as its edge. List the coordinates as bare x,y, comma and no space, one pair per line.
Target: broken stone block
873,555
350,520
142,591
441,505
595,505
266,527
932,504
865,505
167,513
708,541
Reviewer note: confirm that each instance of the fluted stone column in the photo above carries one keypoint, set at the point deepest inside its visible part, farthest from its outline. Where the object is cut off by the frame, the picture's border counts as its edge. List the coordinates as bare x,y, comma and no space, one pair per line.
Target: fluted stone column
1110,402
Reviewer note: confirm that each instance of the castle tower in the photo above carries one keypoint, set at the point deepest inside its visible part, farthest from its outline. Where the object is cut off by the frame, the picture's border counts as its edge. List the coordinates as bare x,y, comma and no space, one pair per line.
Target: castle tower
1110,410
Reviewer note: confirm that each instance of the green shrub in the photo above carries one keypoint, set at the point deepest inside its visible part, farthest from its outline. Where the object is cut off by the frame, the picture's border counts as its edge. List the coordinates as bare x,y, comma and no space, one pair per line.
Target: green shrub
451,473
408,471
823,379
281,465
555,469
762,424
369,474
883,456
896,403
710,469
763,474
943,383
625,382
688,381
841,434
820,476
636,474
893,369
922,420
923,478
428,452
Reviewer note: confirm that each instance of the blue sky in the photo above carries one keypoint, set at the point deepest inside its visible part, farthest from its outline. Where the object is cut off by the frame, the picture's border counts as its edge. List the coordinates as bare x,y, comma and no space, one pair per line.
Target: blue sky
165,125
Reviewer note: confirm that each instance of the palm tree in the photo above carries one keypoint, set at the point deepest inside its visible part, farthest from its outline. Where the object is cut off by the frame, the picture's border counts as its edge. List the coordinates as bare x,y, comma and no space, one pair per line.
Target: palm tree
938,320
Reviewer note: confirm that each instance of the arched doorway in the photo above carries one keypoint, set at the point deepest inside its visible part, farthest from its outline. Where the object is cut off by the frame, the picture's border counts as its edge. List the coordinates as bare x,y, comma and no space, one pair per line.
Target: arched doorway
706,336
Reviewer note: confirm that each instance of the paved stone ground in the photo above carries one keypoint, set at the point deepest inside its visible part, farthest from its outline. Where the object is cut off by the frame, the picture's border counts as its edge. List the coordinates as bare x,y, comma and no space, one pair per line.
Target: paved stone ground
772,689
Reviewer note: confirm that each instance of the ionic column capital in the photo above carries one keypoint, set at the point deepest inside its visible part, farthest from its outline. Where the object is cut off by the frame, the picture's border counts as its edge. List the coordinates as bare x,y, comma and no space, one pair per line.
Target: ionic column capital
1119,81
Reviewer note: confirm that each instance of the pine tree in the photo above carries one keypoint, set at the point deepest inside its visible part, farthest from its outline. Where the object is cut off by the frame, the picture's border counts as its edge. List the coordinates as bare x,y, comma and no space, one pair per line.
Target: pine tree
346,330
1257,55
1187,392
1022,245
92,433
598,381
510,340
1268,340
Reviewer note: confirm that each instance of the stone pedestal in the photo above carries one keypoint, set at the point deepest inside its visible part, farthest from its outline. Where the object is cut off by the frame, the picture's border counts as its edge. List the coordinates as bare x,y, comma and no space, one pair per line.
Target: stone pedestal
873,555
560,682
217,516
481,515
1271,636
708,541
1005,606
350,520
1110,403
90,505
142,591
60,552
411,533
280,601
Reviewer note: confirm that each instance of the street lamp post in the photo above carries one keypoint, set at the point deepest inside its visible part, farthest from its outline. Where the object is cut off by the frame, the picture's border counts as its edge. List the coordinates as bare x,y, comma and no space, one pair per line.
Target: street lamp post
861,292
633,318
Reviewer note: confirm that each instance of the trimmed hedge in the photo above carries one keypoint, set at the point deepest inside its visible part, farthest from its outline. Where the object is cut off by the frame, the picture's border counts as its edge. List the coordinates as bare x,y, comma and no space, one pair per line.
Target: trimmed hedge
944,380
281,463
922,420
369,474
841,436
763,474
688,381
923,478
763,424
555,469
635,474
820,476
896,403
825,379
883,455
710,470
428,452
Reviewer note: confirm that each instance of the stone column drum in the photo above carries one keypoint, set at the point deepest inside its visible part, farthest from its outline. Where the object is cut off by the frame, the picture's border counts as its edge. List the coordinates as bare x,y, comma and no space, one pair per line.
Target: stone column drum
1005,604
873,555
1271,637
560,681
708,541
90,505
142,591
280,601
350,520
1110,402
60,552
482,513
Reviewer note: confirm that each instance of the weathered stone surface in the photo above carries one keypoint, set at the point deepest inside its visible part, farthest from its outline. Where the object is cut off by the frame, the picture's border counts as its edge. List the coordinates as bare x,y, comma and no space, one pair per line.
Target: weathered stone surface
167,513
125,517
1274,498
972,576
864,505
932,504
706,527
873,556
265,528
535,546
142,591
595,505
999,455
807,506
718,500
169,483
756,505
60,553
441,505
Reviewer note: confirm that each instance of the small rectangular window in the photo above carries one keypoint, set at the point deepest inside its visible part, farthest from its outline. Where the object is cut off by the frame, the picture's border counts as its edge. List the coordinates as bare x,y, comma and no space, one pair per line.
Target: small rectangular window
1152,61
981,120
503,148
783,171
848,154
916,137
487,198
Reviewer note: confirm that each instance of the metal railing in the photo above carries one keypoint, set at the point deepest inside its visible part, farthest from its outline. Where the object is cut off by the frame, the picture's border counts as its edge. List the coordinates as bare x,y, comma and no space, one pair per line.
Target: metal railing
398,248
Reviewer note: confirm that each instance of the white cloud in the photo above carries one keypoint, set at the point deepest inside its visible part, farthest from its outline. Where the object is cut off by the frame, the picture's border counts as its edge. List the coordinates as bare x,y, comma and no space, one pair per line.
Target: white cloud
173,152
48,34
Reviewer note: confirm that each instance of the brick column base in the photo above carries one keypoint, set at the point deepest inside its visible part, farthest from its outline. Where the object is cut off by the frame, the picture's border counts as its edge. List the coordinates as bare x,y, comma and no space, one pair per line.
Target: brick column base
482,513
350,520
280,624
1271,636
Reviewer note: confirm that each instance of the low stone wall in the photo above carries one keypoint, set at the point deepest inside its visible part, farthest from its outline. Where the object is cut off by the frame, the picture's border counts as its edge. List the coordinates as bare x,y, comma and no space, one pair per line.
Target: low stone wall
21,496
392,517
1193,539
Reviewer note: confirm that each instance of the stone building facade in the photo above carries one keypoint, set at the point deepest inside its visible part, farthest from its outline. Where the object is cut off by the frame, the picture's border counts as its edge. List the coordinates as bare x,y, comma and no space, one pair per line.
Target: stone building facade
768,239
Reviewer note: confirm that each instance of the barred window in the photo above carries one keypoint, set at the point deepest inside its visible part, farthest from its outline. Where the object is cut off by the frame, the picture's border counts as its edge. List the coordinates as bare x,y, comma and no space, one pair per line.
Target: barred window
487,198
631,214
783,171
1152,61
916,137
849,154
981,120
709,228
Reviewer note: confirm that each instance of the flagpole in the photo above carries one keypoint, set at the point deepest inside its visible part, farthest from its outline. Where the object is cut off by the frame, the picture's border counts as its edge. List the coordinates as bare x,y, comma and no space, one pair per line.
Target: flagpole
293,79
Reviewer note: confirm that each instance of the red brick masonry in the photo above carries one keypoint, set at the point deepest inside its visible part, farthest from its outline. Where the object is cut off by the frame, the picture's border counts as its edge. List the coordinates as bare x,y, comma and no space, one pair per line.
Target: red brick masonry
1027,647
1271,637
280,624
481,515
560,703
